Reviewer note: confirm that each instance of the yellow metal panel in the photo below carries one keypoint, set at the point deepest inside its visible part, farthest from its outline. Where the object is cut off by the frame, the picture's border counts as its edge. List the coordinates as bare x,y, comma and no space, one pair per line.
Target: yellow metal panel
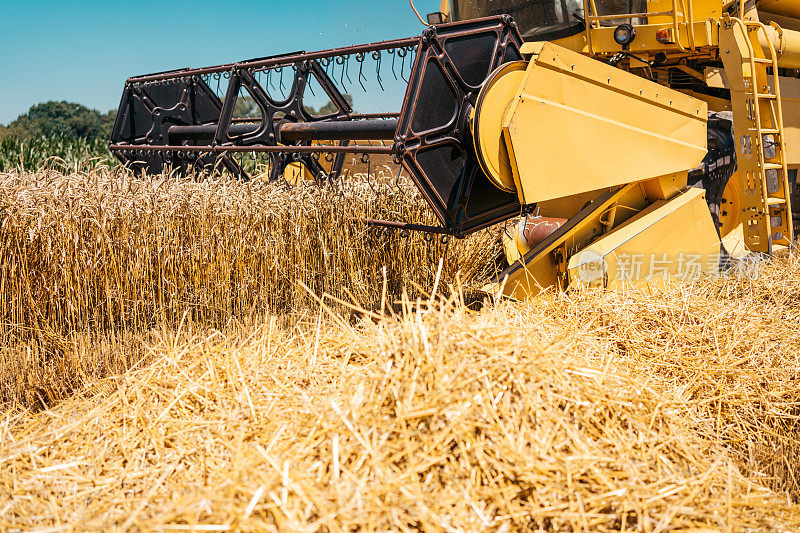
785,8
495,97
568,206
714,104
786,43
701,10
705,33
790,100
664,187
296,172
545,265
579,124
444,7
783,22
670,239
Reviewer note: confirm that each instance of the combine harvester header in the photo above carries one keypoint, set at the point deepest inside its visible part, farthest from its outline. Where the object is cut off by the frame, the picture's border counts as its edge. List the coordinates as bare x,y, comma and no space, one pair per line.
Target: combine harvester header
624,143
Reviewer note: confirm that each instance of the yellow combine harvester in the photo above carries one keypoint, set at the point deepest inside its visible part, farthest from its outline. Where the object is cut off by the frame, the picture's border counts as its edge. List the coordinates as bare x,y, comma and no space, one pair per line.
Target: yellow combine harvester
616,141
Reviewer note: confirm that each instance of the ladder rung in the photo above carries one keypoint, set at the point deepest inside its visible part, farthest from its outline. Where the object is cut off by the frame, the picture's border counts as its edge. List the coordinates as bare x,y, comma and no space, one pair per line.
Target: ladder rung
766,96
762,60
766,131
773,166
775,201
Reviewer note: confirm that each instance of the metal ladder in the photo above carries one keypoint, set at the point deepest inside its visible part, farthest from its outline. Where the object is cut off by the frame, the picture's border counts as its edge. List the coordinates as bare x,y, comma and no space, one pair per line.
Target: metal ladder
758,127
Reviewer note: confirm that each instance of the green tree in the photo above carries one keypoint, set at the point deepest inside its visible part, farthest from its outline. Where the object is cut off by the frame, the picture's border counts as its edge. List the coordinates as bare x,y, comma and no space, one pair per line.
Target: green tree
65,119
329,107
246,107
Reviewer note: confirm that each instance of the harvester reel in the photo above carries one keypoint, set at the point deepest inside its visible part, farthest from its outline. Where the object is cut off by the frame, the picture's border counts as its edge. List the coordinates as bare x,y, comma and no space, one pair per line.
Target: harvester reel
150,110
147,111
276,112
174,118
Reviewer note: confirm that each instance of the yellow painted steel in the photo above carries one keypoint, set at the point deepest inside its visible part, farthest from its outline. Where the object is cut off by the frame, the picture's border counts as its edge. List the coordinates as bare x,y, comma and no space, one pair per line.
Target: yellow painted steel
602,39
296,172
784,22
444,7
670,239
572,112
730,219
567,208
688,10
495,97
693,28
545,265
785,8
786,43
609,150
790,102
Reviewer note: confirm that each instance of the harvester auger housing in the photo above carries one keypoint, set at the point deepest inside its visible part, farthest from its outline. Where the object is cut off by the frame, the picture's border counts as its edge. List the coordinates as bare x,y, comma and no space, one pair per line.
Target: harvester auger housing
631,142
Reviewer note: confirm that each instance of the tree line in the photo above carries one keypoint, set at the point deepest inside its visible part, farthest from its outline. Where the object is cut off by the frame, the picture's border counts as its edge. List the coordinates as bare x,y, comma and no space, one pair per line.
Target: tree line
60,119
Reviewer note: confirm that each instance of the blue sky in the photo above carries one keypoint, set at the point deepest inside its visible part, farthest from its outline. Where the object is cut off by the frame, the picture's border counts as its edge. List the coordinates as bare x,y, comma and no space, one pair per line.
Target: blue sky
82,51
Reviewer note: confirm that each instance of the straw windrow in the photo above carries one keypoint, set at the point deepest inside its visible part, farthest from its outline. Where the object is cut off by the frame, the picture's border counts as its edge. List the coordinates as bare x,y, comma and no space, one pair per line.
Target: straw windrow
556,416
585,410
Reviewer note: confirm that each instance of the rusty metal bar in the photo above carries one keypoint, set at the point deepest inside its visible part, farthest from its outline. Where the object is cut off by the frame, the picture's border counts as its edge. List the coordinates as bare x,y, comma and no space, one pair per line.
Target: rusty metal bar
358,149
358,116
361,130
283,60
352,116
205,132
406,226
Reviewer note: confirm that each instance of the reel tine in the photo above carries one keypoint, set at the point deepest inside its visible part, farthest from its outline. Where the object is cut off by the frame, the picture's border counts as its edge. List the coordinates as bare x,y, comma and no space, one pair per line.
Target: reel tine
376,55
397,183
366,159
361,78
406,50
326,63
340,61
402,52
347,68
392,53
310,87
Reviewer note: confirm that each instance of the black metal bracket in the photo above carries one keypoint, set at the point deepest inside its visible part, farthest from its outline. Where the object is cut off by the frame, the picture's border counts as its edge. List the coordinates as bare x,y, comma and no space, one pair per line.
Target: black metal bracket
433,140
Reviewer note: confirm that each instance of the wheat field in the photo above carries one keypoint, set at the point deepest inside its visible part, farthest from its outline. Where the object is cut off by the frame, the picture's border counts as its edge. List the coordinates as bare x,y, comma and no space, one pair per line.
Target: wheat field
216,356
92,261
